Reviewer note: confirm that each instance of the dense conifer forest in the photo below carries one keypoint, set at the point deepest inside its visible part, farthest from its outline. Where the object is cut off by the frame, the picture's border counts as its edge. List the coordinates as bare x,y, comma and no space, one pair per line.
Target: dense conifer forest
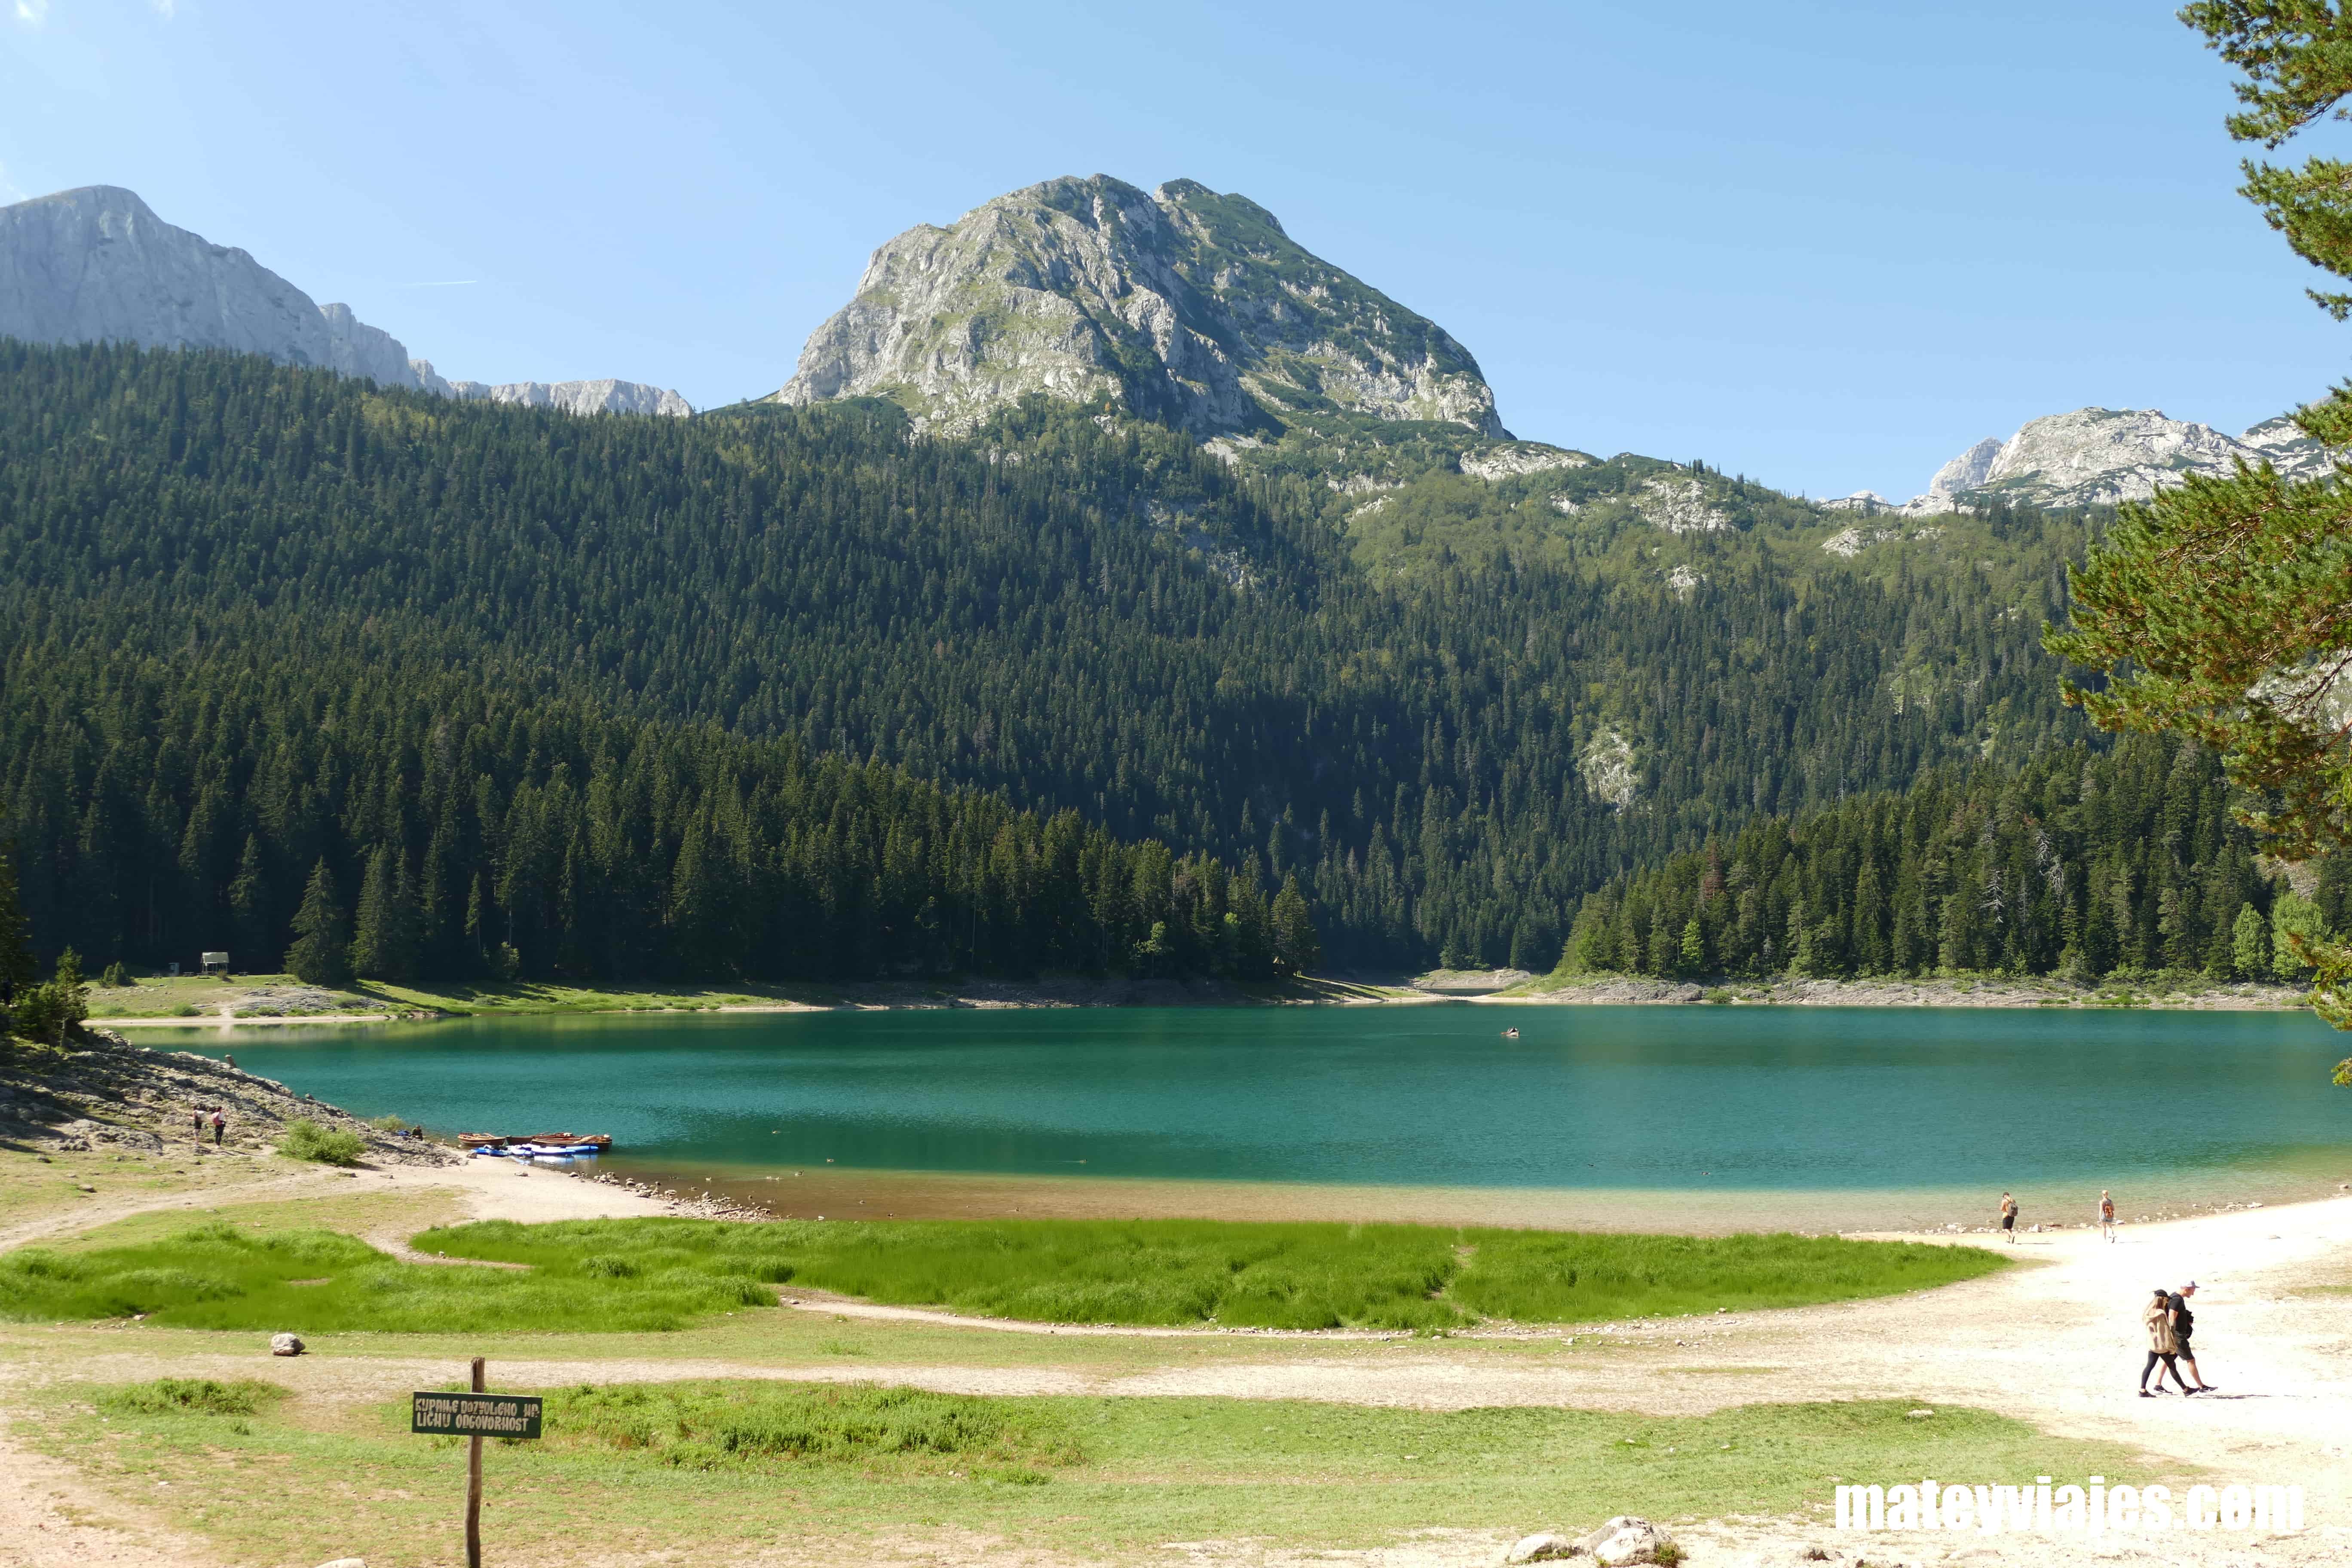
253,620
2080,864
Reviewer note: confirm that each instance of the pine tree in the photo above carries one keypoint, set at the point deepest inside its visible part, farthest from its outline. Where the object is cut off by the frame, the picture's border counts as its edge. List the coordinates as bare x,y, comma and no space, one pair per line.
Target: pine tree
2250,944
1694,948
387,942
321,954
1296,943
249,903
2296,933
2222,609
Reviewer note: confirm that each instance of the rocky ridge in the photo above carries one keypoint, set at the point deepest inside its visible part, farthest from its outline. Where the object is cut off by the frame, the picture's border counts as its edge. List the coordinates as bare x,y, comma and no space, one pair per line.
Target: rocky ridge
2099,456
1181,305
97,265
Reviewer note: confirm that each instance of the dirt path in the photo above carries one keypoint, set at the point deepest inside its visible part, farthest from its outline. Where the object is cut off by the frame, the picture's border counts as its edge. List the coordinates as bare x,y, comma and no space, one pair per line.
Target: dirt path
282,1183
50,1517
2058,1345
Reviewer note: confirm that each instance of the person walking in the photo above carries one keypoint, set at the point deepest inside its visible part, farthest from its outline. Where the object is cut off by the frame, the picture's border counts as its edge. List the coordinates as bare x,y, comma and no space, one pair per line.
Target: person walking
2008,1218
2184,1327
220,1131
2163,1347
2107,1214
199,1115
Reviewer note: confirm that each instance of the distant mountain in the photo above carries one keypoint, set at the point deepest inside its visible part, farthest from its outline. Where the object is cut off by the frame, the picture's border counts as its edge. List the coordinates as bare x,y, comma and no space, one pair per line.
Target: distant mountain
2098,457
572,397
1181,305
97,265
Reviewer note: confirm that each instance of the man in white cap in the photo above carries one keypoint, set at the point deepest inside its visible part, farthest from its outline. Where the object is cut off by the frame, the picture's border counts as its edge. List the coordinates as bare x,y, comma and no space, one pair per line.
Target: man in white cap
2184,1323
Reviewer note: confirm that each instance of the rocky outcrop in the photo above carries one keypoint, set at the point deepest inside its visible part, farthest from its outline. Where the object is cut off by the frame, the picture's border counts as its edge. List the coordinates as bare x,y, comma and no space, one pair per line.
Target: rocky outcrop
1680,506
111,1094
96,265
1869,503
1607,766
1514,459
1180,304
354,348
2098,457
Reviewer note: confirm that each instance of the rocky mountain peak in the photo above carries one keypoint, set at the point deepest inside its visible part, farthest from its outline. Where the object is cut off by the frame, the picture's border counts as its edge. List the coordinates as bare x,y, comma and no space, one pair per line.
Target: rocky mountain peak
2099,456
96,265
1182,304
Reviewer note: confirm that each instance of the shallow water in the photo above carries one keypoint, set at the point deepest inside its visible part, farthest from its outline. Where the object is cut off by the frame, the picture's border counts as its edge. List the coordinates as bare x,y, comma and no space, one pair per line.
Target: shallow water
1626,1100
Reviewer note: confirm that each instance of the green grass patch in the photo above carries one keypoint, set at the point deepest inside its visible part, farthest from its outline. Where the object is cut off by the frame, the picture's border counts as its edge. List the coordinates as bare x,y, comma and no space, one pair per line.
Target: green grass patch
221,1276
190,1396
1292,1276
1127,1475
776,1425
1555,1276
306,1139
651,1274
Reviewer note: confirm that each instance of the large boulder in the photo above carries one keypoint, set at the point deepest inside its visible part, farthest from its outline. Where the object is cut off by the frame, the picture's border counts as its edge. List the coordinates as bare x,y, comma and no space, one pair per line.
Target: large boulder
286,1344
1629,1540
1544,1548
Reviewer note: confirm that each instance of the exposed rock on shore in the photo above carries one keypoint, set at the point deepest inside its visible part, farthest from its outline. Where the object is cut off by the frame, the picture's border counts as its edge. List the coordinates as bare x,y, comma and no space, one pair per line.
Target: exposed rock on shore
109,1093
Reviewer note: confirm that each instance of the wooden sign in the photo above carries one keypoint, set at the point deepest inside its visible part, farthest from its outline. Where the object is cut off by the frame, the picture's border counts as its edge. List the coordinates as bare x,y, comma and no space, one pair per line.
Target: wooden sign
475,1415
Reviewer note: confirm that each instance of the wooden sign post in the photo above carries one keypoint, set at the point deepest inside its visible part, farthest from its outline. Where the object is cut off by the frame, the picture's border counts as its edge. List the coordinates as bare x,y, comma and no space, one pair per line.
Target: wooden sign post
475,1415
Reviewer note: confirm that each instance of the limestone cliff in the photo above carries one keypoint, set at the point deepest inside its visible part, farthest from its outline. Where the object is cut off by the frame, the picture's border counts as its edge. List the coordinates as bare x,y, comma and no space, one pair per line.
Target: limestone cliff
1180,305
96,265
2098,457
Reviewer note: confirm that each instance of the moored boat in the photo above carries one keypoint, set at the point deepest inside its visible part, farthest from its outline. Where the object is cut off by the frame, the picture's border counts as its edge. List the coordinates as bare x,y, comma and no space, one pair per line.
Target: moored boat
538,1145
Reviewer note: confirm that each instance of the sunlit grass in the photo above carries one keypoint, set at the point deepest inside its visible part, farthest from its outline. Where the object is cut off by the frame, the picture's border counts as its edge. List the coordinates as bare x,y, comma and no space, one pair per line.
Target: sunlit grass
636,1275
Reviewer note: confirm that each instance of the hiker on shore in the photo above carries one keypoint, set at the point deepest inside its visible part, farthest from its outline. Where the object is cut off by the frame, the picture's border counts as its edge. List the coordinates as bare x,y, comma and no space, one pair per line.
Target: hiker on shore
2107,1217
220,1131
2163,1346
199,1115
2008,1218
2184,1325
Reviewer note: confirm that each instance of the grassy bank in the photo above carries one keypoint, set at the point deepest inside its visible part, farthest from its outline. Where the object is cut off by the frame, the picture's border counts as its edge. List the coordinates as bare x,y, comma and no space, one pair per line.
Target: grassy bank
1289,1276
620,1275
712,1472
283,997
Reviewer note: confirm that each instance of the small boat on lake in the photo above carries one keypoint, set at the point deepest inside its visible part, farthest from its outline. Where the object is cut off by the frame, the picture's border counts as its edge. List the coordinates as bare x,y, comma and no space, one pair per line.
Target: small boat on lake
538,1145
1510,1034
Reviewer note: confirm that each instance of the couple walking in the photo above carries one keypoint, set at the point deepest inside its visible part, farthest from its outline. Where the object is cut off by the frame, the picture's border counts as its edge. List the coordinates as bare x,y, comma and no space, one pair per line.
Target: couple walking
2171,1324
2008,1216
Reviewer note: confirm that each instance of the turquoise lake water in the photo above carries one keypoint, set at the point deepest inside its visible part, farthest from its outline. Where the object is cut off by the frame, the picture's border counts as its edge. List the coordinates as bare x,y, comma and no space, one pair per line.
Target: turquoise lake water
1664,1097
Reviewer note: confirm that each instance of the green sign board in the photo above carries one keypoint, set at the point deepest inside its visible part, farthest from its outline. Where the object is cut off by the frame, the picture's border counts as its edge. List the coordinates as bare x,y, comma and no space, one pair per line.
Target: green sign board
475,1415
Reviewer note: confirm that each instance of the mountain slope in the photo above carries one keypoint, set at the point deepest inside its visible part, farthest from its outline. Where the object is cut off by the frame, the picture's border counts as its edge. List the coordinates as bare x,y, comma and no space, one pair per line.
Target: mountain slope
1182,305
96,265
1080,612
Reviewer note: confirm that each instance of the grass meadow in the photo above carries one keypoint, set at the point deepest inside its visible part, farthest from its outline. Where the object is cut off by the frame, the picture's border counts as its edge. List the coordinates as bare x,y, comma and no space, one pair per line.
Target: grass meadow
651,1275
718,1472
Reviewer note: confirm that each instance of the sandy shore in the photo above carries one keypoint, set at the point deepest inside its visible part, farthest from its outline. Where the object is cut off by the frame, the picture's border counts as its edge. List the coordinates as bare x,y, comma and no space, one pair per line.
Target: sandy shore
835,1191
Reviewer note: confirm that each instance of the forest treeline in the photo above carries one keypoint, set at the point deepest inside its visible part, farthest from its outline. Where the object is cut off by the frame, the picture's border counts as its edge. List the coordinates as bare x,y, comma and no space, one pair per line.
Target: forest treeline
1060,610
2080,864
409,826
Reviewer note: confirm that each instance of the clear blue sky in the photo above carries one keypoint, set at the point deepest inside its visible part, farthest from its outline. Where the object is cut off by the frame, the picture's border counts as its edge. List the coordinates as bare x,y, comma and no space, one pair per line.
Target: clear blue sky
1825,243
